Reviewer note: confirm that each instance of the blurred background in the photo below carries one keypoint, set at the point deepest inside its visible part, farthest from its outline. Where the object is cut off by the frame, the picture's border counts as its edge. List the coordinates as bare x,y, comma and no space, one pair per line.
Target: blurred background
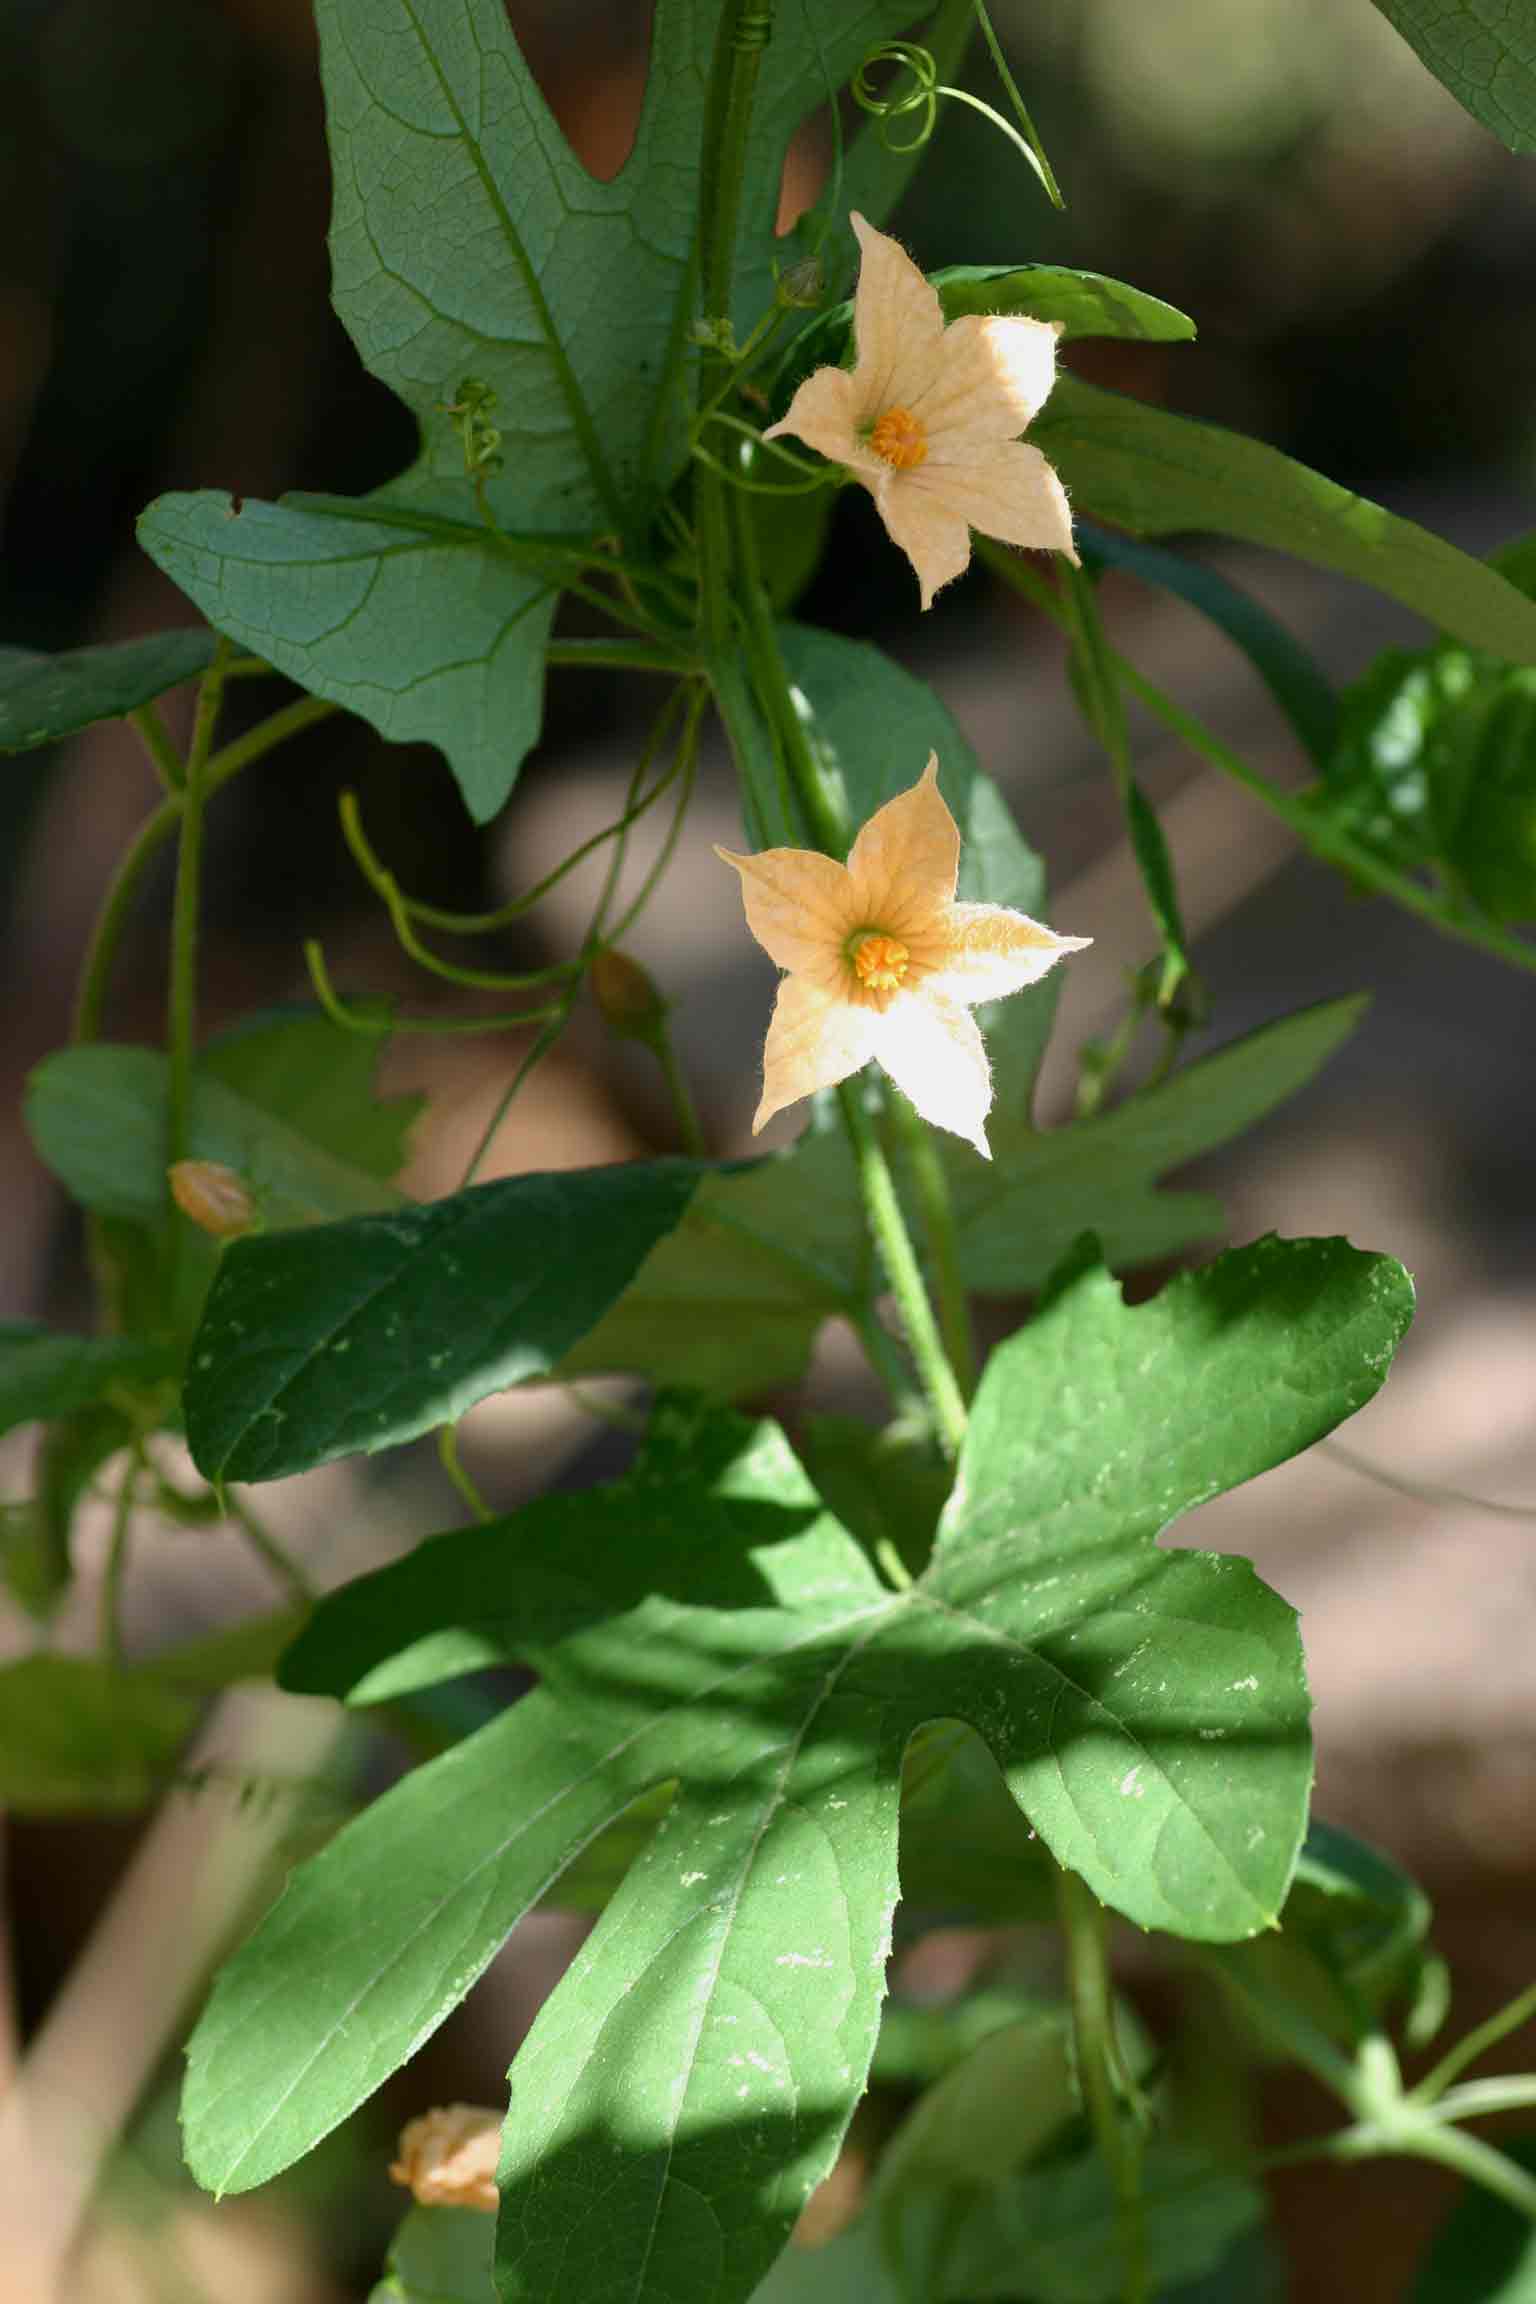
1358,255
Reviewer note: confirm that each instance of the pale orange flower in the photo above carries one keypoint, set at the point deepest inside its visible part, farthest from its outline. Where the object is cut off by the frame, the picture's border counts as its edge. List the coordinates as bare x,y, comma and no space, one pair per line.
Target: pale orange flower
447,2158
929,417
883,963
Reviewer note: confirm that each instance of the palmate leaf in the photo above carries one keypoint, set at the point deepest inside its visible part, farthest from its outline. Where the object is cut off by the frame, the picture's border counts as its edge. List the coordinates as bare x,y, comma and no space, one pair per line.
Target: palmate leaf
468,240
708,1626
732,1300
1484,51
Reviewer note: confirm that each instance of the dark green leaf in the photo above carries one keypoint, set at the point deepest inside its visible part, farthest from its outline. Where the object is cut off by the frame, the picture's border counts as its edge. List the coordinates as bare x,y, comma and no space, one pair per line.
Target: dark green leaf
1484,51
46,1376
1141,468
1289,671
1485,2251
360,1335
1050,2234
1435,768
96,1116
298,1065
1147,1708
45,697
440,2256
1353,1943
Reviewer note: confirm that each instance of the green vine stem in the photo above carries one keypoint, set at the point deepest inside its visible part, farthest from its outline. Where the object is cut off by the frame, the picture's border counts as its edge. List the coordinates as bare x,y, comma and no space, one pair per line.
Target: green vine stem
685,1111
181,1019
448,1455
1089,1990
926,1164
156,739
1475,2043
267,1549
889,1226
117,1560
153,834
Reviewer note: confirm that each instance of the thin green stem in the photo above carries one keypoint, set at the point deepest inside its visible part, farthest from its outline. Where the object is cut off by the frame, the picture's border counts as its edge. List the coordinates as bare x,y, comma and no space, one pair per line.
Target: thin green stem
1033,144
117,1561
377,1023
1476,2043
619,656
448,1453
926,1164
1091,1995
267,1548
897,1254
1469,2156
683,1106
1423,1491
156,739
1481,2099
156,831
181,1022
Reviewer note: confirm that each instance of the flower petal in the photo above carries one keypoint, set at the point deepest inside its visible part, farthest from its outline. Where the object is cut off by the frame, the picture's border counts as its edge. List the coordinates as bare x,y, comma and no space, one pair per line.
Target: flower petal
897,325
936,540
1003,487
815,1039
994,376
824,413
904,864
799,906
992,952
933,1051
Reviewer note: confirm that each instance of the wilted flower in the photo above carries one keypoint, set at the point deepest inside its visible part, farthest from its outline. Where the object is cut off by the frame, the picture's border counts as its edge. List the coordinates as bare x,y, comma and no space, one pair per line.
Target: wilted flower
929,419
447,2158
216,1197
883,963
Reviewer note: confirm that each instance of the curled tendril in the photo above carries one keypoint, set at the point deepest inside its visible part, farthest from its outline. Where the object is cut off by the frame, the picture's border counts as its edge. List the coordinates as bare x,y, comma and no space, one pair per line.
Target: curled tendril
896,102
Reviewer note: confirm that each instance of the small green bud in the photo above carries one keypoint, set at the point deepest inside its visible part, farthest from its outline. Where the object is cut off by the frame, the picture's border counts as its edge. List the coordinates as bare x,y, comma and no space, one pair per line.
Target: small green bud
802,286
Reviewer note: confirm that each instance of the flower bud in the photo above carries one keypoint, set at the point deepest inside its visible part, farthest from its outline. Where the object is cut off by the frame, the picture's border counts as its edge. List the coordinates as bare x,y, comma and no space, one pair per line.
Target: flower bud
216,1198
801,287
447,2158
631,1006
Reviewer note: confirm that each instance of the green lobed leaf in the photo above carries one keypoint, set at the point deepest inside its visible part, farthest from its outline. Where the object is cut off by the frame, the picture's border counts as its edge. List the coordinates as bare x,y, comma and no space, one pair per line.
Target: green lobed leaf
1143,469
1147,1708
412,617
1485,2250
732,1301
363,1334
468,241
45,697
1288,670
296,1063
1484,51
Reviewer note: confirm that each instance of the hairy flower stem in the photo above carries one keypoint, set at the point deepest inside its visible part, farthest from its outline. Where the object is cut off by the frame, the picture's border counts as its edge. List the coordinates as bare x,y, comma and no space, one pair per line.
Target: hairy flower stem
1093,2019
899,1257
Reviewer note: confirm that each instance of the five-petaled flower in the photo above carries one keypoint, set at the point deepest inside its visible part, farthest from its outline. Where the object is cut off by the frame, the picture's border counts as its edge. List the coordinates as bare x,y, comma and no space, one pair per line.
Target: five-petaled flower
882,962
929,419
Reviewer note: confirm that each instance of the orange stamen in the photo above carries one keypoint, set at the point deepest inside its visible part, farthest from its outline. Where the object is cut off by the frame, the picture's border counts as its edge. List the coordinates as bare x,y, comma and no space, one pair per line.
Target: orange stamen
899,437
880,962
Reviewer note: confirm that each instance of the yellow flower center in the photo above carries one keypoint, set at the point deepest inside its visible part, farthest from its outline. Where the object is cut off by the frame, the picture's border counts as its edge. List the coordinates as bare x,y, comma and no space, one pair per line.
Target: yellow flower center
880,961
899,437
